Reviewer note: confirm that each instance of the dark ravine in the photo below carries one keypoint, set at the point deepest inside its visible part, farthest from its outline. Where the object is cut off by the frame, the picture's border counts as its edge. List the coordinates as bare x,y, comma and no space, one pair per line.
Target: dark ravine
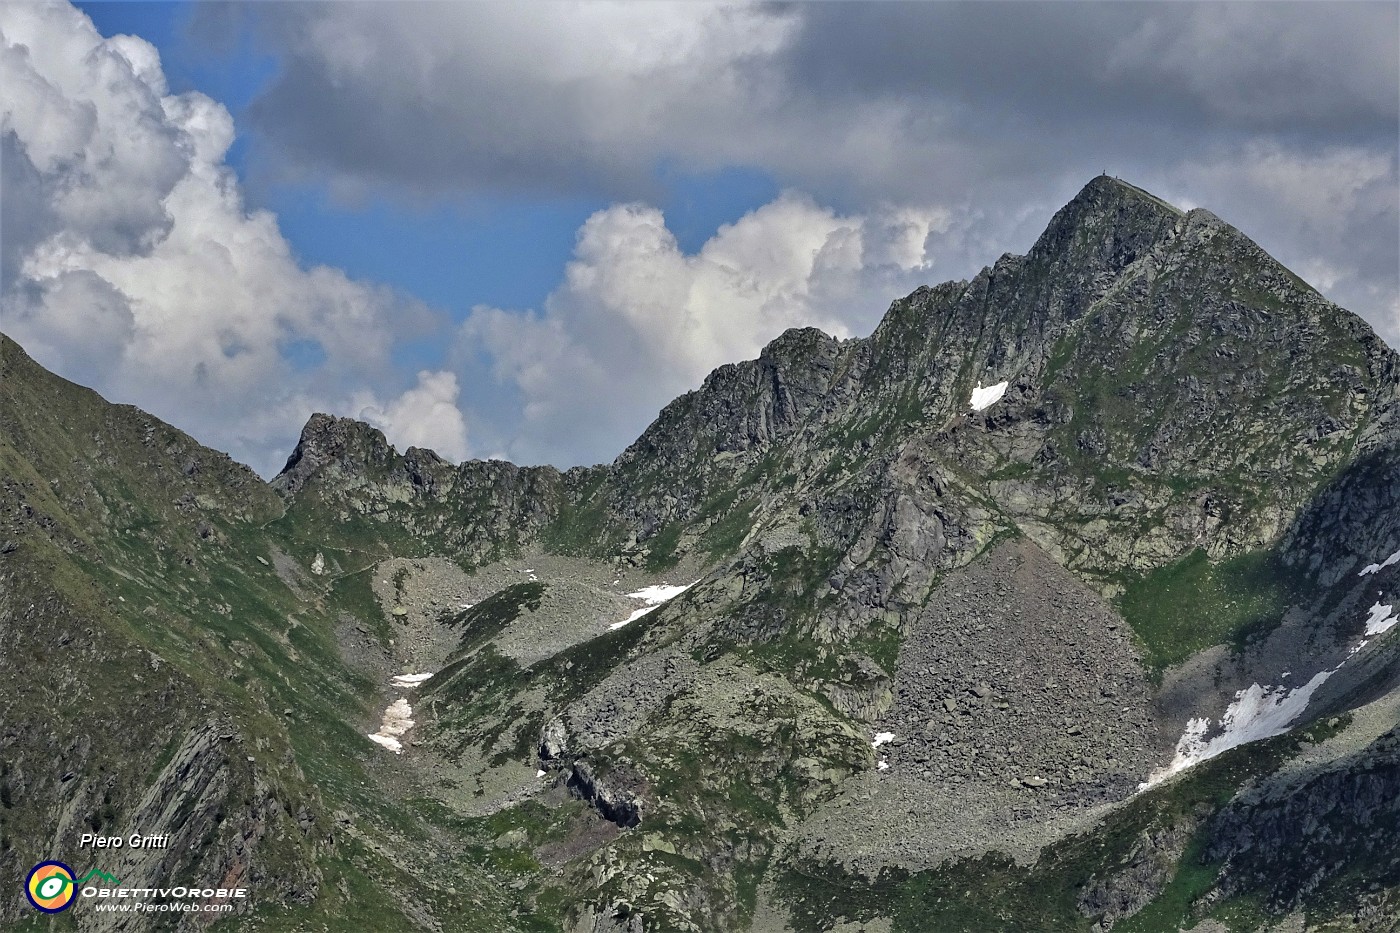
925,656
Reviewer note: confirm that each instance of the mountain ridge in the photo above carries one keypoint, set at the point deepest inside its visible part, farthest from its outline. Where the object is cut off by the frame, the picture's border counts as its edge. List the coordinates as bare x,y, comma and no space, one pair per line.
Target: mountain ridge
786,397
821,619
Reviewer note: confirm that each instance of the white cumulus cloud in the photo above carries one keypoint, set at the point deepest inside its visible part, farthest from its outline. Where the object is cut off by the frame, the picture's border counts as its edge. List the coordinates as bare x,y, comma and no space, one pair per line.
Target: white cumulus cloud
424,416
132,264
637,320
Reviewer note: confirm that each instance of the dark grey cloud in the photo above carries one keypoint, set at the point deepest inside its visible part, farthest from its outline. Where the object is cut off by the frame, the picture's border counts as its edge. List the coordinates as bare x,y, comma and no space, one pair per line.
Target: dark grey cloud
451,97
26,217
1250,67
438,98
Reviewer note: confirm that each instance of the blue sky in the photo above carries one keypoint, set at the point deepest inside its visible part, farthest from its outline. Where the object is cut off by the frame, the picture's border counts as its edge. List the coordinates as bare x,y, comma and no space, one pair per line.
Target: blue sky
454,253
506,234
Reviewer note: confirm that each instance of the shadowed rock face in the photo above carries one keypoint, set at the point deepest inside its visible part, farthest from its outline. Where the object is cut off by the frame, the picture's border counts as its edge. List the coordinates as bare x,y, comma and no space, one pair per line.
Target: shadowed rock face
1122,893
917,634
1296,835
613,802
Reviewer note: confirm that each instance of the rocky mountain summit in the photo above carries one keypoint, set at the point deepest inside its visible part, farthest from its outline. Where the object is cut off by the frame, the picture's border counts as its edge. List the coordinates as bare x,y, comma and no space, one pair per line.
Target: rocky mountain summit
1060,602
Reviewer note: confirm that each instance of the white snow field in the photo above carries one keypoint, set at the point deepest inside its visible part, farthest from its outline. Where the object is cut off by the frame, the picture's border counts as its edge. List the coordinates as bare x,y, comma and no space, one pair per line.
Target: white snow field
1260,712
981,397
1382,619
1377,568
398,719
653,596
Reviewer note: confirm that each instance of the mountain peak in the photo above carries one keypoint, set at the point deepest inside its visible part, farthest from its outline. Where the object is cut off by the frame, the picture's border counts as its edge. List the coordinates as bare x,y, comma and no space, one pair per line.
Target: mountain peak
1090,241
1105,188
1167,518
327,439
1107,225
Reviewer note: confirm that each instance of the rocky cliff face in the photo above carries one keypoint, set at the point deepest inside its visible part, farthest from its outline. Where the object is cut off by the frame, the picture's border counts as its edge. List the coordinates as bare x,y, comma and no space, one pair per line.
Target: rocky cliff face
343,474
1178,407
825,619
157,675
1154,406
1302,830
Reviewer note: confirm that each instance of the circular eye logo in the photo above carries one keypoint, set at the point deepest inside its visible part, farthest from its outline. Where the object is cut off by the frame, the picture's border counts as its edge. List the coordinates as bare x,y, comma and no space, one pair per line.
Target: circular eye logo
49,887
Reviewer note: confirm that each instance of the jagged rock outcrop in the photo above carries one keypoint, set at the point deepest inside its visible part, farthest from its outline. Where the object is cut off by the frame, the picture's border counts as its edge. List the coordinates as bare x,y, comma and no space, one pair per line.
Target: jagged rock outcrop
345,449
343,470
1299,832
554,741
209,783
1150,865
611,796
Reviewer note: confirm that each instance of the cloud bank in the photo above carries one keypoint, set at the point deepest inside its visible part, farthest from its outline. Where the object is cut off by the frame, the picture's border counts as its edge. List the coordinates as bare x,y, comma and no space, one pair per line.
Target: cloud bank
987,108
131,262
134,264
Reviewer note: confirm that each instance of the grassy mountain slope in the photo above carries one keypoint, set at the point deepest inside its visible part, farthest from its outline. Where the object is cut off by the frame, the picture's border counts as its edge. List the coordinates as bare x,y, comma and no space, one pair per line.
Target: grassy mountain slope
145,623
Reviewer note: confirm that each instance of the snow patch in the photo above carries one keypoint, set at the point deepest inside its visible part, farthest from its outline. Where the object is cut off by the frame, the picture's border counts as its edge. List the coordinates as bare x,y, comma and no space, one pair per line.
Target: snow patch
1258,712
882,738
539,774
1382,620
636,614
653,596
1377,568
882,765
398,719
656,595
1261,712
981,397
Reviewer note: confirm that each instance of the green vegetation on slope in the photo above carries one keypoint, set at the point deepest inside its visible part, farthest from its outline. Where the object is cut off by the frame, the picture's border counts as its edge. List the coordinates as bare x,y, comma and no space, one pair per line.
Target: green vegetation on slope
1194,603
160,564
489,618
